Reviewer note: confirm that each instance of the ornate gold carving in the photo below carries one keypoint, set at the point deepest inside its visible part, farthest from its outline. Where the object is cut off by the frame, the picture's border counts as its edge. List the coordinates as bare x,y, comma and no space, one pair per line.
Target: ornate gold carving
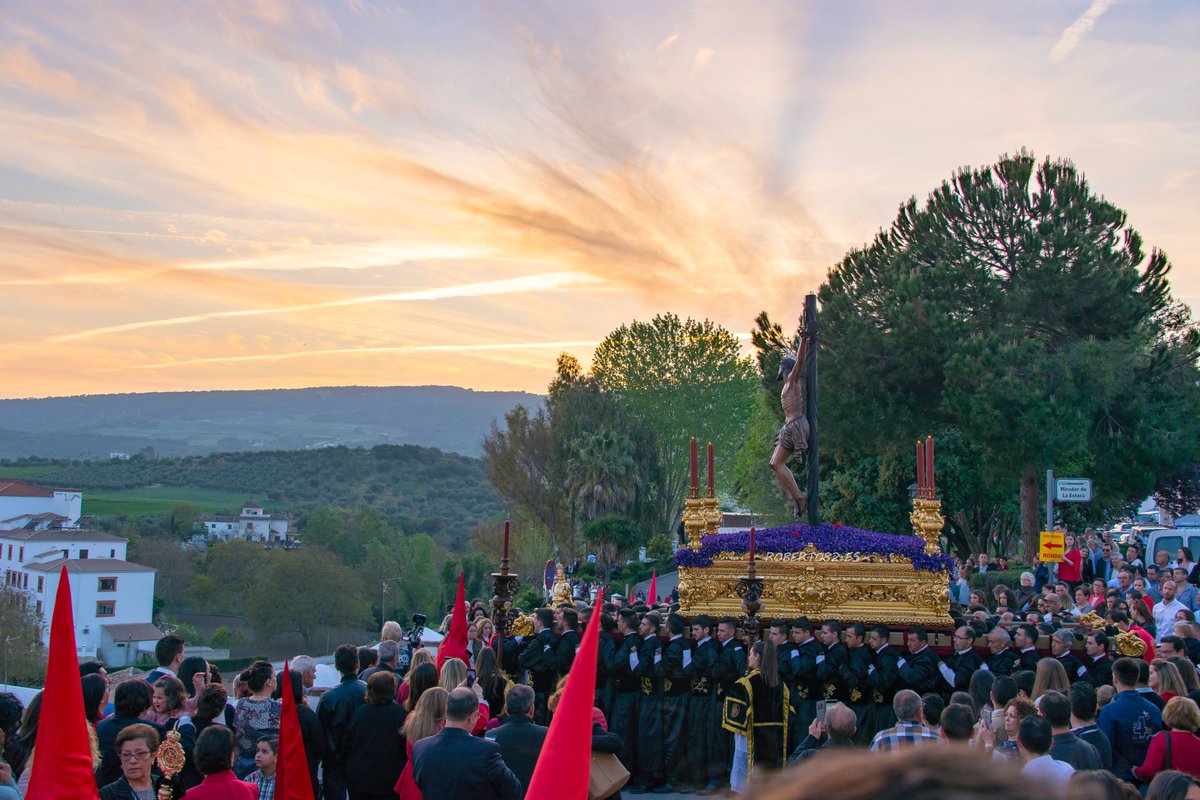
1092,620
693,521
712,515
562,590
927,521
854,587
170,757
522,625
1129,644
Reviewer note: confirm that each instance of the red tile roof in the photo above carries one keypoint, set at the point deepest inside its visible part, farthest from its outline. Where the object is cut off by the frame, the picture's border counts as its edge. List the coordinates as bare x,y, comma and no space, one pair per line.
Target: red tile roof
15,487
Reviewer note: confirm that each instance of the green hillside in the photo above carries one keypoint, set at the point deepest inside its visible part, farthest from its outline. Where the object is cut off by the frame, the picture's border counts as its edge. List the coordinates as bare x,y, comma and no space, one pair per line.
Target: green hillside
418,489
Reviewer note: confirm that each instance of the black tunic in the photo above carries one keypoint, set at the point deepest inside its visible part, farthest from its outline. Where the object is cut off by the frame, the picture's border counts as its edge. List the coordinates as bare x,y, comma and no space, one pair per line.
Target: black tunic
760,713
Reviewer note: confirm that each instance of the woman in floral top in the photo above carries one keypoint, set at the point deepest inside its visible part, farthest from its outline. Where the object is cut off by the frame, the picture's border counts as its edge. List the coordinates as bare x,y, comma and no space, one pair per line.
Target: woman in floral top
257,716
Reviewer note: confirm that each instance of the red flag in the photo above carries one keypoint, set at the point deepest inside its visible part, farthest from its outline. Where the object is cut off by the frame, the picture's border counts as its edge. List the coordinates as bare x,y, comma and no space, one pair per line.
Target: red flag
565,763
652,595
292,781
63,768
455,643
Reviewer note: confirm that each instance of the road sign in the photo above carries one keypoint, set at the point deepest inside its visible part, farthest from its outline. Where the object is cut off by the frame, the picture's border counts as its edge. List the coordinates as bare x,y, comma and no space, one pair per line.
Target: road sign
1073,490
1051,546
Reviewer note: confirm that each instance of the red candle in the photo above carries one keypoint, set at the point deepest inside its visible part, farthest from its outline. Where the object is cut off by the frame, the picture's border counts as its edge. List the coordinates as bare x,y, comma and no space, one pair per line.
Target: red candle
752,544
929,464
505,540
920,469
711,480
695,475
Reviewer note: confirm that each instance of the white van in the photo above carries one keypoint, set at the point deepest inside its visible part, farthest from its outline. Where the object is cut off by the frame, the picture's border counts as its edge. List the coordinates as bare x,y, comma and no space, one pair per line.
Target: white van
1171,539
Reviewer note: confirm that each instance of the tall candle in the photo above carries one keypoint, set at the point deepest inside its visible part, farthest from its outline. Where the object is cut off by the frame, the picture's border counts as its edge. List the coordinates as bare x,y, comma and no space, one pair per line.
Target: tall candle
711,479
929,464
505,540
920,469
694,471
752,544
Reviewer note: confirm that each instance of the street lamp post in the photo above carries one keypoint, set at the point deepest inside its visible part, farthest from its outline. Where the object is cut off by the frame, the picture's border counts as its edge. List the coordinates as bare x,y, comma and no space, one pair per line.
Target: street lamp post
383,600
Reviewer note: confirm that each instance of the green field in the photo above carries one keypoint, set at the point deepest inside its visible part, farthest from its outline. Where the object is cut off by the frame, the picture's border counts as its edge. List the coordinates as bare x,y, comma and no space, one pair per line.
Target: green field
25,473
162,499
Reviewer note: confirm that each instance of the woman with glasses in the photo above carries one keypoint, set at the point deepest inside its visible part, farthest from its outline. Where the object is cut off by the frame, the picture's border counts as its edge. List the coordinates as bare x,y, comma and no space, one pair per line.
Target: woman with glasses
136,746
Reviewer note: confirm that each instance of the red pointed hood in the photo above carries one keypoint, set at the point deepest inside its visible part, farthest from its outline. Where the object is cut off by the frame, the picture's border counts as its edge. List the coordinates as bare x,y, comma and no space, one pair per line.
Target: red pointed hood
565,762
62,769
455,643
292,781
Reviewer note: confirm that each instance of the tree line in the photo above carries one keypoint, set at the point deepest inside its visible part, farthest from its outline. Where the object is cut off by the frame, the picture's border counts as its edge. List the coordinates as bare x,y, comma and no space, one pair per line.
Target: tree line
1015,315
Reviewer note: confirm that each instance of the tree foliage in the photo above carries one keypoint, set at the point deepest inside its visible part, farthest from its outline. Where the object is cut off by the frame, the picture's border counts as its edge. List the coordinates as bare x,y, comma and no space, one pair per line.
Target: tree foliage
1016,307
299,591
21,638
612,537
682,378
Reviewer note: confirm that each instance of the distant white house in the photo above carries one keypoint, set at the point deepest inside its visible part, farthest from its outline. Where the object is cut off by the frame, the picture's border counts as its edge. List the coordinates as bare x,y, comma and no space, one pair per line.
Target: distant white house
20,498
254,524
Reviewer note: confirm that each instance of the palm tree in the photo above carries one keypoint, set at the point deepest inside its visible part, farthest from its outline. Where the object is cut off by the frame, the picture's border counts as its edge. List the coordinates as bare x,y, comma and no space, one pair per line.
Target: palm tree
603,474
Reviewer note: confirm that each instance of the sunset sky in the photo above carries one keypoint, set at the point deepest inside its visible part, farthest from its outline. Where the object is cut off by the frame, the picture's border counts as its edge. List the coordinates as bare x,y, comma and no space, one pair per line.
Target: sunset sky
234,195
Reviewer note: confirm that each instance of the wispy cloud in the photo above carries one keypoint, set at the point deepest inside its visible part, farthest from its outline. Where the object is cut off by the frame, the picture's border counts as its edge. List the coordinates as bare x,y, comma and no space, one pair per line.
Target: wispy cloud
225,180
532,283
363,351
1078,29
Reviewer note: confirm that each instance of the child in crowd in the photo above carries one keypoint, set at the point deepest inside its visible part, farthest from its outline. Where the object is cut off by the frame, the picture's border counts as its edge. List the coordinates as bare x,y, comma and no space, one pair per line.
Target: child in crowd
264,776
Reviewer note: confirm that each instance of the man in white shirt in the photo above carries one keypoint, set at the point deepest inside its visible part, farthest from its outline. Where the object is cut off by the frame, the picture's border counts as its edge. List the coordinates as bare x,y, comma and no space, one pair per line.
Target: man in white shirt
1166,609
1034,739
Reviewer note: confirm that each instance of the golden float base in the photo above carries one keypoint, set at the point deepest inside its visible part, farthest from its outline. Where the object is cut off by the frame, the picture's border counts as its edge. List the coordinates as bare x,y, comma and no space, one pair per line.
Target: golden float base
853,587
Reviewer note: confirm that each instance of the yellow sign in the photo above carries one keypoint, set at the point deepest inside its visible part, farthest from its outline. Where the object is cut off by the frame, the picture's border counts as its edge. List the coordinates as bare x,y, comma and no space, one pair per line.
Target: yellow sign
1051,546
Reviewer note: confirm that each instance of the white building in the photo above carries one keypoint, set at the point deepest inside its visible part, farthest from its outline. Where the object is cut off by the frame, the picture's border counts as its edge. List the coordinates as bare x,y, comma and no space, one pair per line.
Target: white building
113,603
20,498
113,598
253,524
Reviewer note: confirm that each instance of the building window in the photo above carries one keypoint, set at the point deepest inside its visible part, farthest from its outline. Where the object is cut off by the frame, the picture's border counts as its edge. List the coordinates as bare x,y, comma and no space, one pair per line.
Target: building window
106,608
41,578
21,552
10,552
39,608
112,553
83,553
106,585
25,581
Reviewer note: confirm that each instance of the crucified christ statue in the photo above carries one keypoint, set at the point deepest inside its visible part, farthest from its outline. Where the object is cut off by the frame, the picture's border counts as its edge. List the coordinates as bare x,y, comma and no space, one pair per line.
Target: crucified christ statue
793,436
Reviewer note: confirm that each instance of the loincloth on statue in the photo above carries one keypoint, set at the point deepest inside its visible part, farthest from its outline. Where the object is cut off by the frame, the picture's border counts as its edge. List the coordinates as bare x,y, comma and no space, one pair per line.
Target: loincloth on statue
793,436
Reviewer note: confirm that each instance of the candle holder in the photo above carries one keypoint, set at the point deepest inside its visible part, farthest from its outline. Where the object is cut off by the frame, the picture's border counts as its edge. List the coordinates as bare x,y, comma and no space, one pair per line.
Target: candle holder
694,521
927,522
712,515
750,588
504,587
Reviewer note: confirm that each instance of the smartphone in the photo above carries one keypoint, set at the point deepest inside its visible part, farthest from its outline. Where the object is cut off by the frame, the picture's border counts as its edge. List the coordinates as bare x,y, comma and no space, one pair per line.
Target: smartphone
821,711
470,677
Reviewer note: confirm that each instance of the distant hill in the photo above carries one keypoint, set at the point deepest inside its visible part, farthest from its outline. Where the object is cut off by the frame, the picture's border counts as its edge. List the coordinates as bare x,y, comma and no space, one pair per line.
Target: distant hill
418,489
198,423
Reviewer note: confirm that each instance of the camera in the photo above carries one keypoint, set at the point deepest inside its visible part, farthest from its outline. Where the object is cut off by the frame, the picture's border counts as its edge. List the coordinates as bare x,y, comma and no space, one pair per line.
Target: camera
417,629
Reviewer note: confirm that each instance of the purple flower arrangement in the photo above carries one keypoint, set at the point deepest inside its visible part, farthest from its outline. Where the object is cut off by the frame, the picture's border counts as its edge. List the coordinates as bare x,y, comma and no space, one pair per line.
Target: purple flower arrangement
826,537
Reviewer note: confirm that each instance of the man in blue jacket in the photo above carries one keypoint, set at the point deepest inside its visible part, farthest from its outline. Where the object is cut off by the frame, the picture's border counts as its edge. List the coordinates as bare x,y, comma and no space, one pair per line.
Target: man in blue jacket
1129,721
